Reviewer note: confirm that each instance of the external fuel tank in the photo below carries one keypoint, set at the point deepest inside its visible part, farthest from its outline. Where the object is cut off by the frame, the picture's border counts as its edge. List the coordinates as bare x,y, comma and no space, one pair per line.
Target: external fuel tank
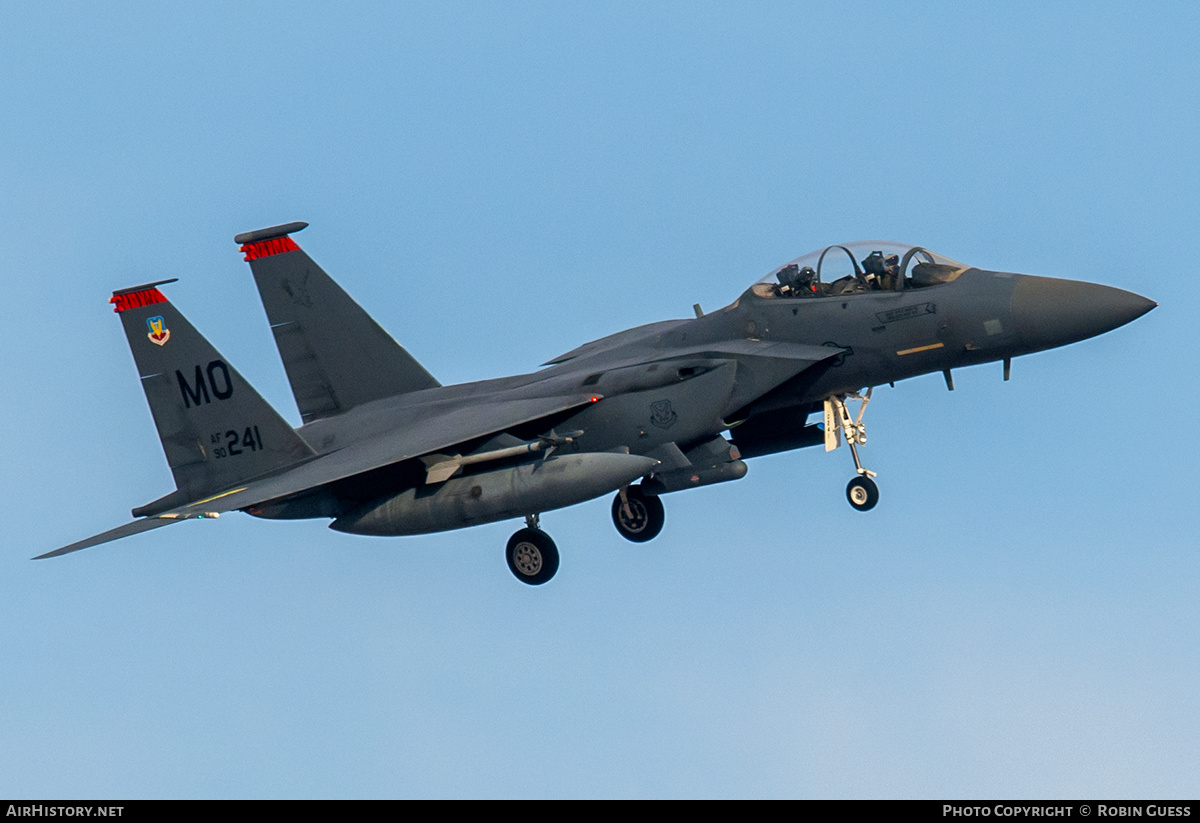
500,494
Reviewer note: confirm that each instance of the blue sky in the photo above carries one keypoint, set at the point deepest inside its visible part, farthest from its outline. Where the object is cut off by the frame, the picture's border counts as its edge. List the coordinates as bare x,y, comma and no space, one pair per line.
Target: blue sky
498,184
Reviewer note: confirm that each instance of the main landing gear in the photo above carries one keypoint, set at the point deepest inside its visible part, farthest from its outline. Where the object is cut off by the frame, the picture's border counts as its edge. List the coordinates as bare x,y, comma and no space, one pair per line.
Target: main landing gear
862,492
531,554
533,558
637,515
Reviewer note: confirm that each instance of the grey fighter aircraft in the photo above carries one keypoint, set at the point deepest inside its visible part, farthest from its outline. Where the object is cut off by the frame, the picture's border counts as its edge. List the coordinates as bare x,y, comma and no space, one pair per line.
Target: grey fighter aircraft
385,449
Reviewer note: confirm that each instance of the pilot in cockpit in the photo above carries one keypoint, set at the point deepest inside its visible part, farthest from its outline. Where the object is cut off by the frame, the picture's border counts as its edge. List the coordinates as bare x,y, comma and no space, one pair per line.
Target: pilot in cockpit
797,282
787,277
881,272
891,272
807,282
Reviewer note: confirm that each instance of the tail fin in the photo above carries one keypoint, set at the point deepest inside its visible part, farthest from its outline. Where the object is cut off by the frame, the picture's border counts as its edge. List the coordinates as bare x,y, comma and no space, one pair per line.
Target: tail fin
336,356
216,430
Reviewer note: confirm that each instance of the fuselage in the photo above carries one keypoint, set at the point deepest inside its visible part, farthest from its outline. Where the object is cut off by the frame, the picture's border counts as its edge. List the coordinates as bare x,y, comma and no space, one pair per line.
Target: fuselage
685,380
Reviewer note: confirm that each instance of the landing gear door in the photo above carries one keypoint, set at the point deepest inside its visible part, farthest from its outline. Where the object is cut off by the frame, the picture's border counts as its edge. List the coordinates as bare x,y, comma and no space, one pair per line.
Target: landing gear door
833,437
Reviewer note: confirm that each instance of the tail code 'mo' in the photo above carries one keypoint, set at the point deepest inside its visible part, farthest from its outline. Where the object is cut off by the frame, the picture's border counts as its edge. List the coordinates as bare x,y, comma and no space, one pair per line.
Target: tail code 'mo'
195,392
216,430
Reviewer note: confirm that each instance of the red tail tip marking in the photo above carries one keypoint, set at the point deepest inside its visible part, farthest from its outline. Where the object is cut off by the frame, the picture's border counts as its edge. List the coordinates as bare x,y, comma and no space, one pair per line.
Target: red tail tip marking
135,299
266,248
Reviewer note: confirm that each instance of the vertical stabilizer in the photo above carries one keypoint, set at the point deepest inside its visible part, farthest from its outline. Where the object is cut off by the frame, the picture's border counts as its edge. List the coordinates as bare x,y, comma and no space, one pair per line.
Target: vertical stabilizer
336,356
216,430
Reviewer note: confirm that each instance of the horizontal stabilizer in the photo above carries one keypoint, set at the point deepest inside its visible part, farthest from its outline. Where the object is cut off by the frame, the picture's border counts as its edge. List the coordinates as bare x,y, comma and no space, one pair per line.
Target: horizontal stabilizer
136,527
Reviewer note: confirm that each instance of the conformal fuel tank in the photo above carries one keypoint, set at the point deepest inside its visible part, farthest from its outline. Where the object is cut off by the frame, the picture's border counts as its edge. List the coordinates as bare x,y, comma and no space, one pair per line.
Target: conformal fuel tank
531,488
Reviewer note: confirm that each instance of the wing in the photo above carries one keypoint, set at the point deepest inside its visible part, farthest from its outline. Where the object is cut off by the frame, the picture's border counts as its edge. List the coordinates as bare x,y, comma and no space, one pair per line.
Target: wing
433,428
440,430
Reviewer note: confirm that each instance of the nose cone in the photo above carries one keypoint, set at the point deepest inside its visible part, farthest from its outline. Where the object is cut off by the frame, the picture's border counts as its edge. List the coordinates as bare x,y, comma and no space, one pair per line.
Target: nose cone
1048,312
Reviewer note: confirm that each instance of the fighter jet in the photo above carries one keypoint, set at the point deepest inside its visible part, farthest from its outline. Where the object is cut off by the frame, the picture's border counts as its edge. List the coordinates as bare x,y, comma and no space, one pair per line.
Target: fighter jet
385,449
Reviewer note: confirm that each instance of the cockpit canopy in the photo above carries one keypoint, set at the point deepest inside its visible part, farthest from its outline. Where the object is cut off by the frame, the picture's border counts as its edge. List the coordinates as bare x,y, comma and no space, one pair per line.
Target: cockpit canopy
861,267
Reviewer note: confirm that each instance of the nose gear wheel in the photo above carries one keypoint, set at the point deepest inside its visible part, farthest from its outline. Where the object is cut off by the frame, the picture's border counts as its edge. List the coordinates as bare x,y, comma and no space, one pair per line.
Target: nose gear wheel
862,493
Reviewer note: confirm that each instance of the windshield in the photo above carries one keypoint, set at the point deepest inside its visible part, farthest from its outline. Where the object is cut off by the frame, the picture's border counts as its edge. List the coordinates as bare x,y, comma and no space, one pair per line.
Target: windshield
864,266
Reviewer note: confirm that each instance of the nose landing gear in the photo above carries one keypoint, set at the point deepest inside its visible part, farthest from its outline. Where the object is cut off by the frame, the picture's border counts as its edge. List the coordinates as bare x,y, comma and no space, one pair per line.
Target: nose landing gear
862,492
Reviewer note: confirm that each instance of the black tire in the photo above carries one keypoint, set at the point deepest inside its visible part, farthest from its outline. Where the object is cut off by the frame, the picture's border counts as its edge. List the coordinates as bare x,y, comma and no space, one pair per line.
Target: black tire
532,556
862,493
647,515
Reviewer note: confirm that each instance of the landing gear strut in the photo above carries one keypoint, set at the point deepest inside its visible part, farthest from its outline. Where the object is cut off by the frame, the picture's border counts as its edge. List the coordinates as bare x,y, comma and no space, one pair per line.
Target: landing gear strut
531,554
862,492
637,515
